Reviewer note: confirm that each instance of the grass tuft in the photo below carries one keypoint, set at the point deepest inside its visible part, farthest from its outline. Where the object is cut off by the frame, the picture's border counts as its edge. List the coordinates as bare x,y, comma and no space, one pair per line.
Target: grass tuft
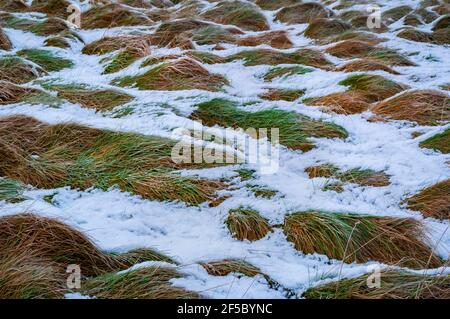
5,42
45,59
360,238
282,94
323,28
228,266
278,72
17,70
10,190
247,224
303,13
432,201
439,142
112,15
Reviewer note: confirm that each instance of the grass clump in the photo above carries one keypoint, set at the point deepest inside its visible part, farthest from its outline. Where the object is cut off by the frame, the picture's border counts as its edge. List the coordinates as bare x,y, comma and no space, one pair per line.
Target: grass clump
350,102
275,4
181,74
260,191
245,174
127,56
294,129
360,238
51,156
366,65
110,44
392,15
205,57
17,70
228,266
282,94
425,107
395,284
278,72
10,190
242,14
5,42
50,26
59,42
140,255
277,39
432,201
213,34
111,16
323,28
303,13
56,8
45,59
247,224
168,31
363,177
101,100
271,57
439,142
143,283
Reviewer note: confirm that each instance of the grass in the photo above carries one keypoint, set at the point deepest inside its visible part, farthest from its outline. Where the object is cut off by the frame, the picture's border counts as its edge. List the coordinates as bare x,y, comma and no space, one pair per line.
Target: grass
425,107
278,72
282,94
108,44
395,284
45,59
10,190
5,42
140,255
247,224
51,7
392,15
439,142
239,13
294,129
228,266
112,15
277,39
168,31
50,26
262,192
299,13
17,70
213,34
143,283
366,65
275,4
363,177
271,57
432,201
350,102
246,174
59,42
82,157
205,57
99,99
181,74
360,238
132,52
323,28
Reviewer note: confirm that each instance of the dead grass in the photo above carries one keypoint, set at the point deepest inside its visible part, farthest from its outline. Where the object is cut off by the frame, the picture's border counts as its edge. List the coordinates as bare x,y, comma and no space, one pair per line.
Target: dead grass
46,59
303,13
110,44
50,26
275,4
17,70
5,43
395,284
425,107
134,50
181,74
432,201
323,28
11,93
57,8
439,142
168,31
278,72
350,102
59,42
112,15
276,39
360,238
282,94
247,224
52,156
242,14
392,15
12,6
366,65
143,283
228,266
140,255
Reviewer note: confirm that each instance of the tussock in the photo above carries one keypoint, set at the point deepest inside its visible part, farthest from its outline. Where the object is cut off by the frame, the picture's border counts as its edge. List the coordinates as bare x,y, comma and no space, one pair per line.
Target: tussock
242,14
282,94
17,70
365,65
276,39
50,26
59,42
278,72
247,224
140,255
275,4
135,50
322,28
439,142
426,107
228,266
110,44
112,15
10,190
294,129
432,201
181,74
56,8
395,284
360,238
51,156
143,283
392,15
351,102
303,13
46,59
11,93
168,31
5,43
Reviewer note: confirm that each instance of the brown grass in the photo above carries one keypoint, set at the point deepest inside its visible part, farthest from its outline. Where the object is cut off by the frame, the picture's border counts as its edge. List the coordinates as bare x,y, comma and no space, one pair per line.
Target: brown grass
433,201
17,70
247,223
110,44
227,266
11,93
425,107
395,284
360,238
277,39
322,28
112,15
303,13
5,43
57,8
282,94
275,4
351,102
168,31
365,65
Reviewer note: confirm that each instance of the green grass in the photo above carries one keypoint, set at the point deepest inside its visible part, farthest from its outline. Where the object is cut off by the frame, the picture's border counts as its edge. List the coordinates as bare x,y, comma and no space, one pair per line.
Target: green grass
289,95
46,59
262,192
360,238
278,71
140,255
213,34
17,70
245,174
439,142
120,61
10,190
294,129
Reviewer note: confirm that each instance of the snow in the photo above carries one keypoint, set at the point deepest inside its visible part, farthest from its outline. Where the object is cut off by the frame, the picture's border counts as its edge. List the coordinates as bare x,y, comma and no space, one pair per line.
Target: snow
118,221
